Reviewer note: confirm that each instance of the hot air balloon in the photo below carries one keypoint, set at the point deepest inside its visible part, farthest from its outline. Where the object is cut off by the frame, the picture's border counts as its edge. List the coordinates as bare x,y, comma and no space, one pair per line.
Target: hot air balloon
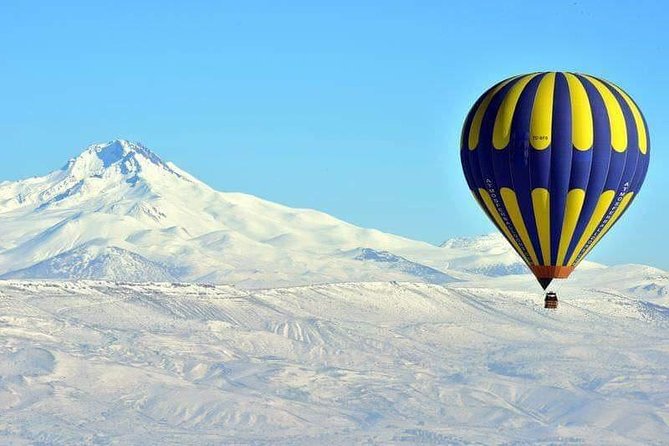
554,159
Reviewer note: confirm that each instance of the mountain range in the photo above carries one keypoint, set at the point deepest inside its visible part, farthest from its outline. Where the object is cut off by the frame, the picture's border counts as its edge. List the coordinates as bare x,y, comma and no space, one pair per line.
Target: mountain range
119,212
469,356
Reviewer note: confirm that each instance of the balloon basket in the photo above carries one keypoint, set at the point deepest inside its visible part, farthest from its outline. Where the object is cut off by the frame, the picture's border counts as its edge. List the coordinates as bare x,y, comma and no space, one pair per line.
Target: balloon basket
551,300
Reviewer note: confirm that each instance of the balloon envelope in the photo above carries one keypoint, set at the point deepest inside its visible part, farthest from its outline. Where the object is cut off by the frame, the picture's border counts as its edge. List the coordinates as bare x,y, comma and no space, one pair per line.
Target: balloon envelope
554,160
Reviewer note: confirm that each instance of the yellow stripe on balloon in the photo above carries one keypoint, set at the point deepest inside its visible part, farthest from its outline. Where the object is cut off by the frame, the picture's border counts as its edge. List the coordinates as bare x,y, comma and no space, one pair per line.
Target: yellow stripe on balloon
511,204
615,114
500,223
602,206
582,134
616,215
502,130
475,127
542,213
542,113
575,199
638,120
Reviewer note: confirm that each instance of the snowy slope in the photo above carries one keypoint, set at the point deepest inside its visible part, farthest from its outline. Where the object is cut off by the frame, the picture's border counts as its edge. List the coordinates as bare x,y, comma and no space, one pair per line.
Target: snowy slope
393,262
490,255
365,363
97,262
121,195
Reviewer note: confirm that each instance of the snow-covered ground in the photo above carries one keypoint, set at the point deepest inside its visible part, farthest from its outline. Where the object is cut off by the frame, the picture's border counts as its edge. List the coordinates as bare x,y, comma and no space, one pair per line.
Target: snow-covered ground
357,363
421,344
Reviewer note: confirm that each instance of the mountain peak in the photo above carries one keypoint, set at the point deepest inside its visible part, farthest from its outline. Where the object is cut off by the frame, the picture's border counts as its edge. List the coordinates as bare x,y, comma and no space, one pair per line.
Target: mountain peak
102,173
120,156
115,150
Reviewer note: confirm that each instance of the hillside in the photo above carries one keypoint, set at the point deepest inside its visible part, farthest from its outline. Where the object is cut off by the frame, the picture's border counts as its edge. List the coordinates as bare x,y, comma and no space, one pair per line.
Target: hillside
117,206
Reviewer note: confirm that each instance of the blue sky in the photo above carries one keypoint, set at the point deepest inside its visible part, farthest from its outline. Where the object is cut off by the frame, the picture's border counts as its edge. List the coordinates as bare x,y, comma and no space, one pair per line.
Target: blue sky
353,108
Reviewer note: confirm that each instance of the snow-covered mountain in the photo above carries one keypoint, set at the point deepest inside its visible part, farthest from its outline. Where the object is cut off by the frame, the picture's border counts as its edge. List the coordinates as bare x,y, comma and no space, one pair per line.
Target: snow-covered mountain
490,255
161,223
468,361
97,262
118,210
397,263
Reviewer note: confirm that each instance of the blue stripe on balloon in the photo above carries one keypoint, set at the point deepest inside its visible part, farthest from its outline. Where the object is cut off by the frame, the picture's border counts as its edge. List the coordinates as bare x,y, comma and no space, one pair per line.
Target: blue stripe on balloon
581,162
471,172
636,162
616,169
540,168
464,159
464,149
482,157
519,135
519,159
633,152
641,171
622,169
561,153
601,157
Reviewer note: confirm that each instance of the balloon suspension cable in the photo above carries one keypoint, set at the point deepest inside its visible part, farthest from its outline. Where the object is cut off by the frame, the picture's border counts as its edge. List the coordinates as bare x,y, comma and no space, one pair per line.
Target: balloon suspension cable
544,282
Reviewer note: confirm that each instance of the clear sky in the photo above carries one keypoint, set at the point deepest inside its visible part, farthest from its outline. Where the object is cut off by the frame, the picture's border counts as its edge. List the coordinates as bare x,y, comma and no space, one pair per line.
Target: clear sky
350,107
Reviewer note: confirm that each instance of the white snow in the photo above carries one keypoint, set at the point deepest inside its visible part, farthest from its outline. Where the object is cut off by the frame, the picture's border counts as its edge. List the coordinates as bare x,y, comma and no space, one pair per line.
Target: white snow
469,358
357,363
120,196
